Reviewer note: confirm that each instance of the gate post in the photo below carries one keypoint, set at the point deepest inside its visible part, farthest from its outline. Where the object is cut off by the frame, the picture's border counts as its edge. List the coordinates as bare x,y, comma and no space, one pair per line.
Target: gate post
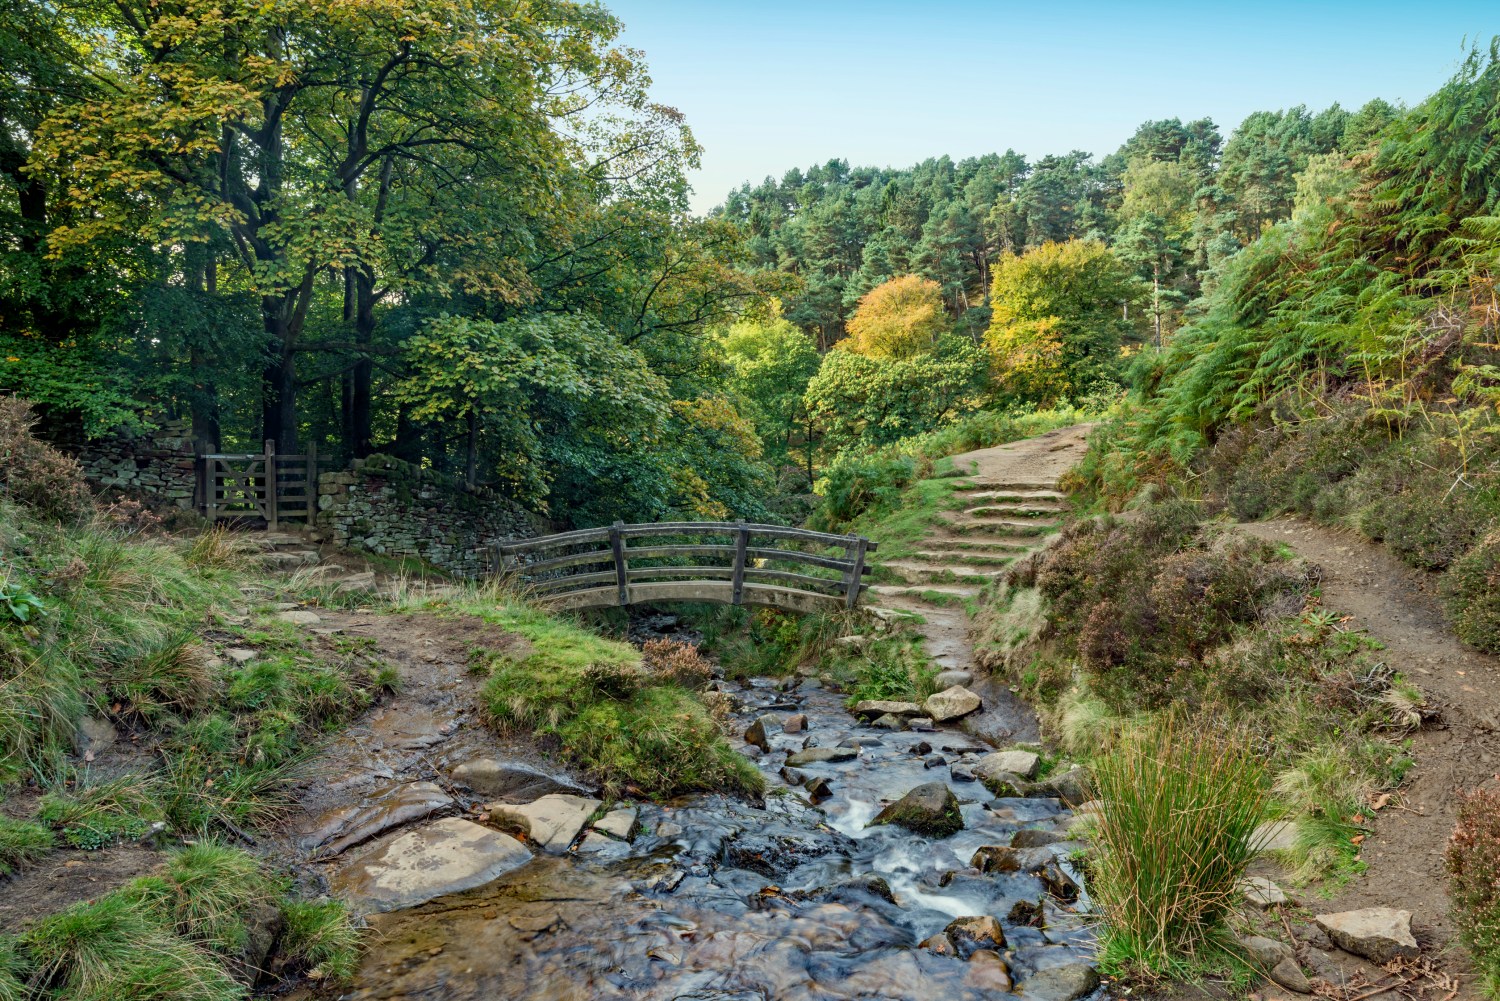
856,573
273,519
622,579
310,490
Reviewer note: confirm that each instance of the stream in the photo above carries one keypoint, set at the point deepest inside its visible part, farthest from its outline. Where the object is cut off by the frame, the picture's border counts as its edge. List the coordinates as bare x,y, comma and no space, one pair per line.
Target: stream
719,900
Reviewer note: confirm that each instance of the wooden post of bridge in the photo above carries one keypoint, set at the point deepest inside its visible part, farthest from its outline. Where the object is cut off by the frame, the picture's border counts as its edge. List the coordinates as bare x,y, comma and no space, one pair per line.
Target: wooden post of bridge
856,572
273,518
622,578
741,544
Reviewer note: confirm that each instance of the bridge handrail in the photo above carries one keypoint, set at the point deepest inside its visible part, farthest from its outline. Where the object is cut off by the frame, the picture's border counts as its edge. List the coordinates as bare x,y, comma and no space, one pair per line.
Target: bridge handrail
852,566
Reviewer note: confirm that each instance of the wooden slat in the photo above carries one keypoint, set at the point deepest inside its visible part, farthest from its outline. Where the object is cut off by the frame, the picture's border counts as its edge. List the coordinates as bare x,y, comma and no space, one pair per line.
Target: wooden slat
577,559
557,584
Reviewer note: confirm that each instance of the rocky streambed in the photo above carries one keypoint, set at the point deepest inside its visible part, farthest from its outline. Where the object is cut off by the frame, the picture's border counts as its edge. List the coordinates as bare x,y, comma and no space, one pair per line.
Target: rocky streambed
803,897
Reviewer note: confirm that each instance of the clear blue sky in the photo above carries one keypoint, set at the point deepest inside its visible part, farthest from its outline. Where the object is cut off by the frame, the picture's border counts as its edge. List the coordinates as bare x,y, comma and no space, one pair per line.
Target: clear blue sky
774,84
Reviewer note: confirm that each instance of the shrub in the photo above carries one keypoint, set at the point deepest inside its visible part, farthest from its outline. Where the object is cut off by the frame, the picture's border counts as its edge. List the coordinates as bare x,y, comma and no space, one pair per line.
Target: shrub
34,473
206,893
1473,595
1473,862
21,841
853,486
91,817
1179,805
674,662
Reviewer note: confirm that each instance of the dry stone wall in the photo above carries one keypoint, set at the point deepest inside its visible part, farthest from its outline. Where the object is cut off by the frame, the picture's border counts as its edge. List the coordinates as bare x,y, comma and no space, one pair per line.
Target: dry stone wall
158,462
394,508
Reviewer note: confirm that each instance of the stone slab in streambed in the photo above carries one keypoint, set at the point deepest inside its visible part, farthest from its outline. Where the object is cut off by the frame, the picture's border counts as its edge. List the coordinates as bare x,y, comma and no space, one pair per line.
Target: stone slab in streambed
873,708
411,868
513,781
951,704
552,822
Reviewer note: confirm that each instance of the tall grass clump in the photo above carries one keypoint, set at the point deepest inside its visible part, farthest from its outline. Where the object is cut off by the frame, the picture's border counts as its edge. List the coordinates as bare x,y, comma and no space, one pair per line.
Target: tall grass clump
1180,804
21,841
1473,862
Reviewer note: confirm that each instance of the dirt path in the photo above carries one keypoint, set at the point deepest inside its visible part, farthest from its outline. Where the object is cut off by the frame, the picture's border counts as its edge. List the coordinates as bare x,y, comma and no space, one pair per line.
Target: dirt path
1010,503
1396,606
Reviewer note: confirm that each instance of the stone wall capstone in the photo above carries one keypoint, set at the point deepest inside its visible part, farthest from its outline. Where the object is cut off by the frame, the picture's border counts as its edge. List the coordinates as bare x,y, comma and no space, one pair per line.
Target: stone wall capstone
394,508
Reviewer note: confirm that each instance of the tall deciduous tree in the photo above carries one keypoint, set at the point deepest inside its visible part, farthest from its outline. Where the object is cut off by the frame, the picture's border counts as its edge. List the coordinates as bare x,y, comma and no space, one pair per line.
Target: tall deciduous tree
900,319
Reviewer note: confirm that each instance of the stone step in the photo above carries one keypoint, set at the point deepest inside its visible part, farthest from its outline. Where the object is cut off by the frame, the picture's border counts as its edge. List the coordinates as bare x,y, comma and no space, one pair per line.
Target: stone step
1005,498
290,559
980,542
915,572
960,558
970,524
999,491
1013,511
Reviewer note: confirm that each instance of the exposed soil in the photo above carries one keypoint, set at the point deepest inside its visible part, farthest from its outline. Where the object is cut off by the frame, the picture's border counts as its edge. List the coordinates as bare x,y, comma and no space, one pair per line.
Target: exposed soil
1396,606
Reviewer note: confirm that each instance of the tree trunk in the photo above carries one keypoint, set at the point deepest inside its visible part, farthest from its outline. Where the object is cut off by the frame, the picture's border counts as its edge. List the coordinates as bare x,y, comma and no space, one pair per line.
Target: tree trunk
204,401
471,456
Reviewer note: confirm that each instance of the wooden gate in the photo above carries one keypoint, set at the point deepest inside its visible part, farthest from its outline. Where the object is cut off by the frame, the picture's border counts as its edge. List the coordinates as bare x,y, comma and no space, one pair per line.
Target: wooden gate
264,485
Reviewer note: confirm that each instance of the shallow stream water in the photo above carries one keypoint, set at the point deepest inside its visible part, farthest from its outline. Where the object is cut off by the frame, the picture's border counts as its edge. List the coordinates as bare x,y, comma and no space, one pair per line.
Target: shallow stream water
719,899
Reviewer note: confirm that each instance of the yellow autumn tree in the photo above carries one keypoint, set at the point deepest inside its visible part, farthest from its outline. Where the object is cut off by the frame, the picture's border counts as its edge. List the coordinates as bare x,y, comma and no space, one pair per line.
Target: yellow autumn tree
901,318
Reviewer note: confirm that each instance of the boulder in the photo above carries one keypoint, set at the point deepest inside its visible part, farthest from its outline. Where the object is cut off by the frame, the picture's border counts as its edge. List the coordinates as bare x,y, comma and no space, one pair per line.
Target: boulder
795,723
930,809
552,822
512,780
950,704
1073,786
619,823
1032,837
1022,764
1380,934
961,773
950,679
1289,975
939,944
756,735
890,721
969,935
820,755
1062,983
996,858
873,708
411,868
987,973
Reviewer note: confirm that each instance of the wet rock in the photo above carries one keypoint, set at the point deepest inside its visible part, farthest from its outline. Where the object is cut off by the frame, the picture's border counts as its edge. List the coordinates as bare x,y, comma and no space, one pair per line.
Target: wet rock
890,721
779,850
342,829
449,856
1261,892
756,735
513,780
951,679
1380,934
552,822
1002,785
619,823
969,935
594,843
795,723
263,924
1025,912
996,858
819,789
1274,836
987,973
1022,764
950,704
921,747
821,755
930,810
856,890
935,761
1062,983
1289,975
1073,786
300,617
874,708
1059,882
791,776
921,724
1032,837
961,773
939,945
1033,860
663,881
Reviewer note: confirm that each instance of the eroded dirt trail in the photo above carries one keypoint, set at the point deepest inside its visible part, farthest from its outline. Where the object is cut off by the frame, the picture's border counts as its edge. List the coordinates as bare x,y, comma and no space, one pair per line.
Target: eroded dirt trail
1010,503
1396,606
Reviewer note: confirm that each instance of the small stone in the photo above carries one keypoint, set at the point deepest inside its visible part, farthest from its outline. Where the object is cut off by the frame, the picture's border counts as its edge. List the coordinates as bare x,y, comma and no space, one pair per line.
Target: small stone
93,735
240,655
951,679
1261,892
987,973
819,755
300,617
1062,983
1289,975
950,704
756,736
969,935
921,724
795,723
1266,952
1032,837
939,944
819,789
619,823
1274,836
930,810
792,777
1022,764
1380,934
996,858
1026,913
890,721
935,761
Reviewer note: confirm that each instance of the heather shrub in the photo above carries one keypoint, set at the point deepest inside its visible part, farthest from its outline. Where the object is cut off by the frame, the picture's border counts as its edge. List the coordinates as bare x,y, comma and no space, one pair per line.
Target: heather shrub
1473,862
1473,594
35,474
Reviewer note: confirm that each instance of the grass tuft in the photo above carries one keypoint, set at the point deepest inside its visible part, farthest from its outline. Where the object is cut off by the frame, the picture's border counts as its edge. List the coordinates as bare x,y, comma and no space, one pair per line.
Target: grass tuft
22,841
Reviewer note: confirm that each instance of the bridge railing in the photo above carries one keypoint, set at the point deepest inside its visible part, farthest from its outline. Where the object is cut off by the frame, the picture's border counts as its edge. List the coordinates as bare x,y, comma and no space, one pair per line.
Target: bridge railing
749,555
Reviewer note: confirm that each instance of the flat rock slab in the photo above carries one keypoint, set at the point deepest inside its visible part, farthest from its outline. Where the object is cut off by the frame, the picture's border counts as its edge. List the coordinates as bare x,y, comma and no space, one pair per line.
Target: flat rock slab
1061,983
449,856
343,828
1261,892
1380,934
552,822
871,708
619,823
241,655
299,617
950,704
818,755
1274,836
514,781
1020,763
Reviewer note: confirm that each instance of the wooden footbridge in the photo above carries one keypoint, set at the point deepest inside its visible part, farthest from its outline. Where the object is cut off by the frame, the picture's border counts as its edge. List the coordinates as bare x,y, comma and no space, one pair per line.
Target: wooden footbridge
727,563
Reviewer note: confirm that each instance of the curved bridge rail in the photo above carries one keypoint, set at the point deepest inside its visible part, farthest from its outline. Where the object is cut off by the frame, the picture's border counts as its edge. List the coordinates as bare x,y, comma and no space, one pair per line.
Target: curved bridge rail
730,563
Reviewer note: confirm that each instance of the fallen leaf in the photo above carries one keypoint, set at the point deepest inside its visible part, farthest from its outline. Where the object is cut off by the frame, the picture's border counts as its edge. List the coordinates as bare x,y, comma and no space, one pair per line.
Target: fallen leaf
1381,802
1358,839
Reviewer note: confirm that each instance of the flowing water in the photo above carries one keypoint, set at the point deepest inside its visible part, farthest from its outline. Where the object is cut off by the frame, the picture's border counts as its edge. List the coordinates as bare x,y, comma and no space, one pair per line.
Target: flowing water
719,899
